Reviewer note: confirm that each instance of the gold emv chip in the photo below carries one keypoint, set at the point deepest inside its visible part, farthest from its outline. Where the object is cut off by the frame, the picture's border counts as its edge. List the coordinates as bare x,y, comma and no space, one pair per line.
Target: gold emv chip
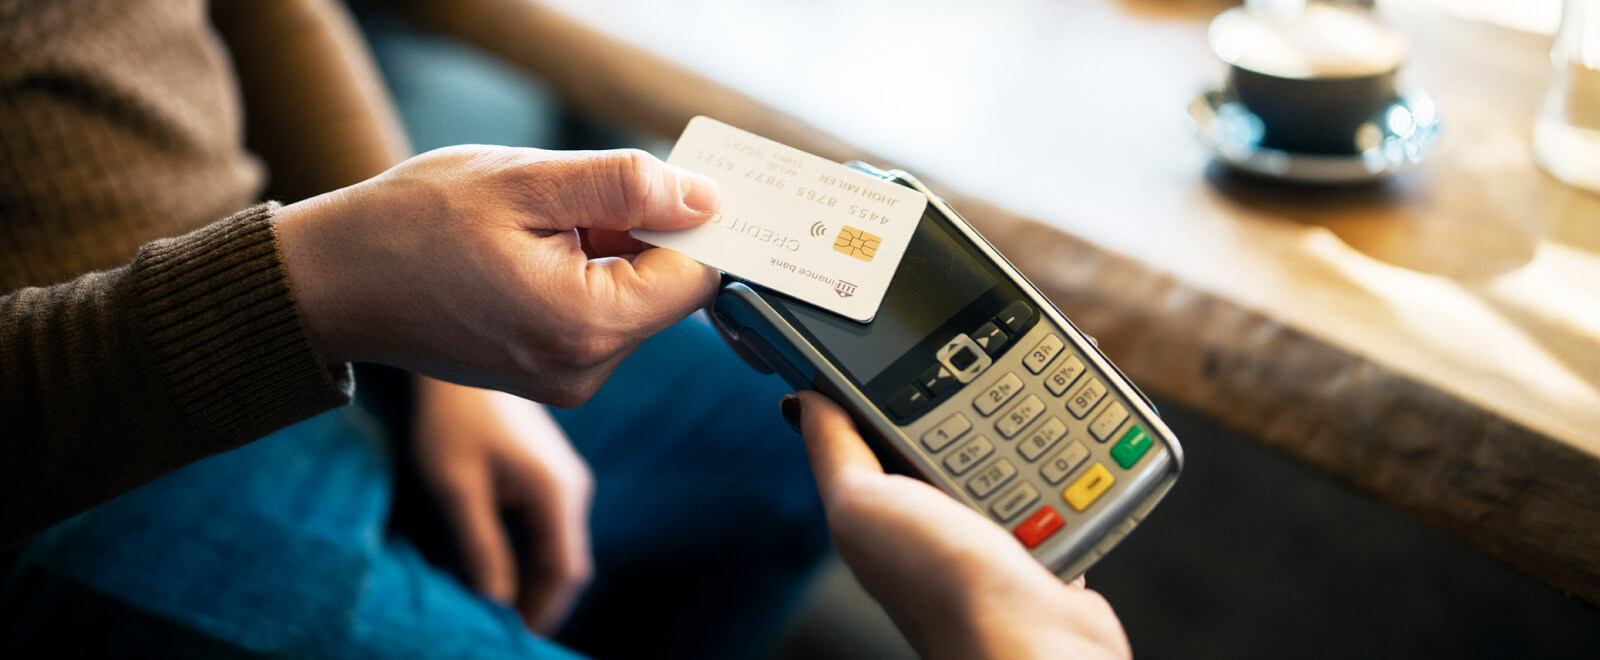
857,243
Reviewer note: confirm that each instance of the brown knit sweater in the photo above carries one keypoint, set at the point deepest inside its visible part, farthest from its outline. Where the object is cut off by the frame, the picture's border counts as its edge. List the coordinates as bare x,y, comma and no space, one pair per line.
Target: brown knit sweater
120,125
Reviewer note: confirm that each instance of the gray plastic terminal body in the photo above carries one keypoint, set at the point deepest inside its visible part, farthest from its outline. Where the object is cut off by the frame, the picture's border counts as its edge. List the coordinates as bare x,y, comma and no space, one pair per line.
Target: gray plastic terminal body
771,343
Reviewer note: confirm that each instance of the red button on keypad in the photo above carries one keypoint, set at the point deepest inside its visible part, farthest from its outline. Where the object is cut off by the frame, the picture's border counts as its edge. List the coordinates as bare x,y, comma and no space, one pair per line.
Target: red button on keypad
1039,527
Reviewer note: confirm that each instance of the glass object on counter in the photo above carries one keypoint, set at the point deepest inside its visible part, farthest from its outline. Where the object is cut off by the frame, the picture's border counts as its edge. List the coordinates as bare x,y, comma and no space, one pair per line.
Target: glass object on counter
1566,134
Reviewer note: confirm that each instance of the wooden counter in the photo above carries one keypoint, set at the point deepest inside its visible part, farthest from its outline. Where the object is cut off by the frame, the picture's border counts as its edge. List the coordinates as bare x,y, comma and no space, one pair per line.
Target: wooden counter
1433,339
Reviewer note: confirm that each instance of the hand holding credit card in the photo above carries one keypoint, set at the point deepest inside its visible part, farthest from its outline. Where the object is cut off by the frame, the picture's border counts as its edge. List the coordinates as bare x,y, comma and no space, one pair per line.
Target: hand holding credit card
795,223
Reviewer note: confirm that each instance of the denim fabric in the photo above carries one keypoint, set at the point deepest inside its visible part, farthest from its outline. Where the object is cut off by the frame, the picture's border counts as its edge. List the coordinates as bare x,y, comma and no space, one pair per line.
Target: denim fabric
706,519
705,525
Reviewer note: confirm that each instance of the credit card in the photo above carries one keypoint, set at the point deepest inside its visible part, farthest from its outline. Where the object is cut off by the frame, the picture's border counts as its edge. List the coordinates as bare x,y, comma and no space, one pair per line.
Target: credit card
798,224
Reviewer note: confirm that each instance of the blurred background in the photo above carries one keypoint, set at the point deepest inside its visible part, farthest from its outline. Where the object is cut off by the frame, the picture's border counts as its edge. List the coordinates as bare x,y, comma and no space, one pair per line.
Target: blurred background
1256,553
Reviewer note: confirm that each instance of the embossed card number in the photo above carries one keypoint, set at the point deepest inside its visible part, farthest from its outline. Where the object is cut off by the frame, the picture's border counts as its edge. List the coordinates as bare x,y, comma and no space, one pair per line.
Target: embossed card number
796,223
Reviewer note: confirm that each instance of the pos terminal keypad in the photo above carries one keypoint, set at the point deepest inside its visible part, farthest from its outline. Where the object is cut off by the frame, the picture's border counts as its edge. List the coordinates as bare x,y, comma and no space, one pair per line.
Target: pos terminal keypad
969,379
1038,438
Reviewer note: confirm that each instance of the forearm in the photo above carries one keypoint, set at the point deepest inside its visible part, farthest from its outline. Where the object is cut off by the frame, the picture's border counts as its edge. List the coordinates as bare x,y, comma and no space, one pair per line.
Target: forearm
117,377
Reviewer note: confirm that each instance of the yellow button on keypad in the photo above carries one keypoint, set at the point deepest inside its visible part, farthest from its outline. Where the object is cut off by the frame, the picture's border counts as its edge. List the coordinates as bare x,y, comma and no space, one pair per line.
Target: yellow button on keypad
1088,487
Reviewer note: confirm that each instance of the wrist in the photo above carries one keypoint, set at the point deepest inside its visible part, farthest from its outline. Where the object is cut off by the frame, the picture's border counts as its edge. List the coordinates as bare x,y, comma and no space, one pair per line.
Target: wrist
308,245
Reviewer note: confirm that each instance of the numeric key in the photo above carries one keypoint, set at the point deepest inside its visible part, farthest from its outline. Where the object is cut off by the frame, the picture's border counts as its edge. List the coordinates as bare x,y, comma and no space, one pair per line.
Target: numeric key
1000,392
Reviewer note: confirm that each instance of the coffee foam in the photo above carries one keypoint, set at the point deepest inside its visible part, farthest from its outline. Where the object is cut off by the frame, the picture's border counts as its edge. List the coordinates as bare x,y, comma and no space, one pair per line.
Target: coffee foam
1324,41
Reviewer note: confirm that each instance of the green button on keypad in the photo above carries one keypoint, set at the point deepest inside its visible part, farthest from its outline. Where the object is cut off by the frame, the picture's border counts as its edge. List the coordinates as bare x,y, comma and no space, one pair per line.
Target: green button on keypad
1132,447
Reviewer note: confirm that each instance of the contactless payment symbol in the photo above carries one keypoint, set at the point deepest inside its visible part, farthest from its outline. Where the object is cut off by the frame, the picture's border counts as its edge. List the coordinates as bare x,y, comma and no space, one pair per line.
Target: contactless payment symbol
857,243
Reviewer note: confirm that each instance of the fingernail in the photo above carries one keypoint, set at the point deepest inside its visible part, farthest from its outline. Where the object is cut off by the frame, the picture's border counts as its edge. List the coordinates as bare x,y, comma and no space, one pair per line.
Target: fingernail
789,405
698,192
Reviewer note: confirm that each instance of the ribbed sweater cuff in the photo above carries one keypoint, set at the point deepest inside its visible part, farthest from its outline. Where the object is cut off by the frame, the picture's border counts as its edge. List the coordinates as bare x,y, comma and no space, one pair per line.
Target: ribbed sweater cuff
229,340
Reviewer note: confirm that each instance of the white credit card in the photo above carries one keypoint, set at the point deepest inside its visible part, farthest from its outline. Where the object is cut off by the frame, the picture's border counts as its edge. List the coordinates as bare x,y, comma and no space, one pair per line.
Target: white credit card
795,223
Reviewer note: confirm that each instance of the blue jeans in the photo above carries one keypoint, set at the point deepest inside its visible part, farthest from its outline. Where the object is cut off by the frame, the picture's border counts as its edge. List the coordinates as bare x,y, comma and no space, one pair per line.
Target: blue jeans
705,524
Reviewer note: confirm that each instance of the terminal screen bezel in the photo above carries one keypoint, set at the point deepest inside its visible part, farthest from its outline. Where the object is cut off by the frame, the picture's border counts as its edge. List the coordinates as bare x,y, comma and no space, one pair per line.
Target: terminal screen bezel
967,272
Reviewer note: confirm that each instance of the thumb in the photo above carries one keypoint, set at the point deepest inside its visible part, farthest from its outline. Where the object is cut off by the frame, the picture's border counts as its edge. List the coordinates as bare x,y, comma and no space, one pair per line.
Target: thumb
833,445
626,189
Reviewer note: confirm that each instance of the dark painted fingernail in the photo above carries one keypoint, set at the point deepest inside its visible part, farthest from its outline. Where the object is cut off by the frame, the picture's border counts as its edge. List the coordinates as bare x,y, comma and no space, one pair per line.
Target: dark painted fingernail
789,405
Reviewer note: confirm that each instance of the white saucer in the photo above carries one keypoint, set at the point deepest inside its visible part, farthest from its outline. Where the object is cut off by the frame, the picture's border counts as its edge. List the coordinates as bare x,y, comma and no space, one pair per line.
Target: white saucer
1397,138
